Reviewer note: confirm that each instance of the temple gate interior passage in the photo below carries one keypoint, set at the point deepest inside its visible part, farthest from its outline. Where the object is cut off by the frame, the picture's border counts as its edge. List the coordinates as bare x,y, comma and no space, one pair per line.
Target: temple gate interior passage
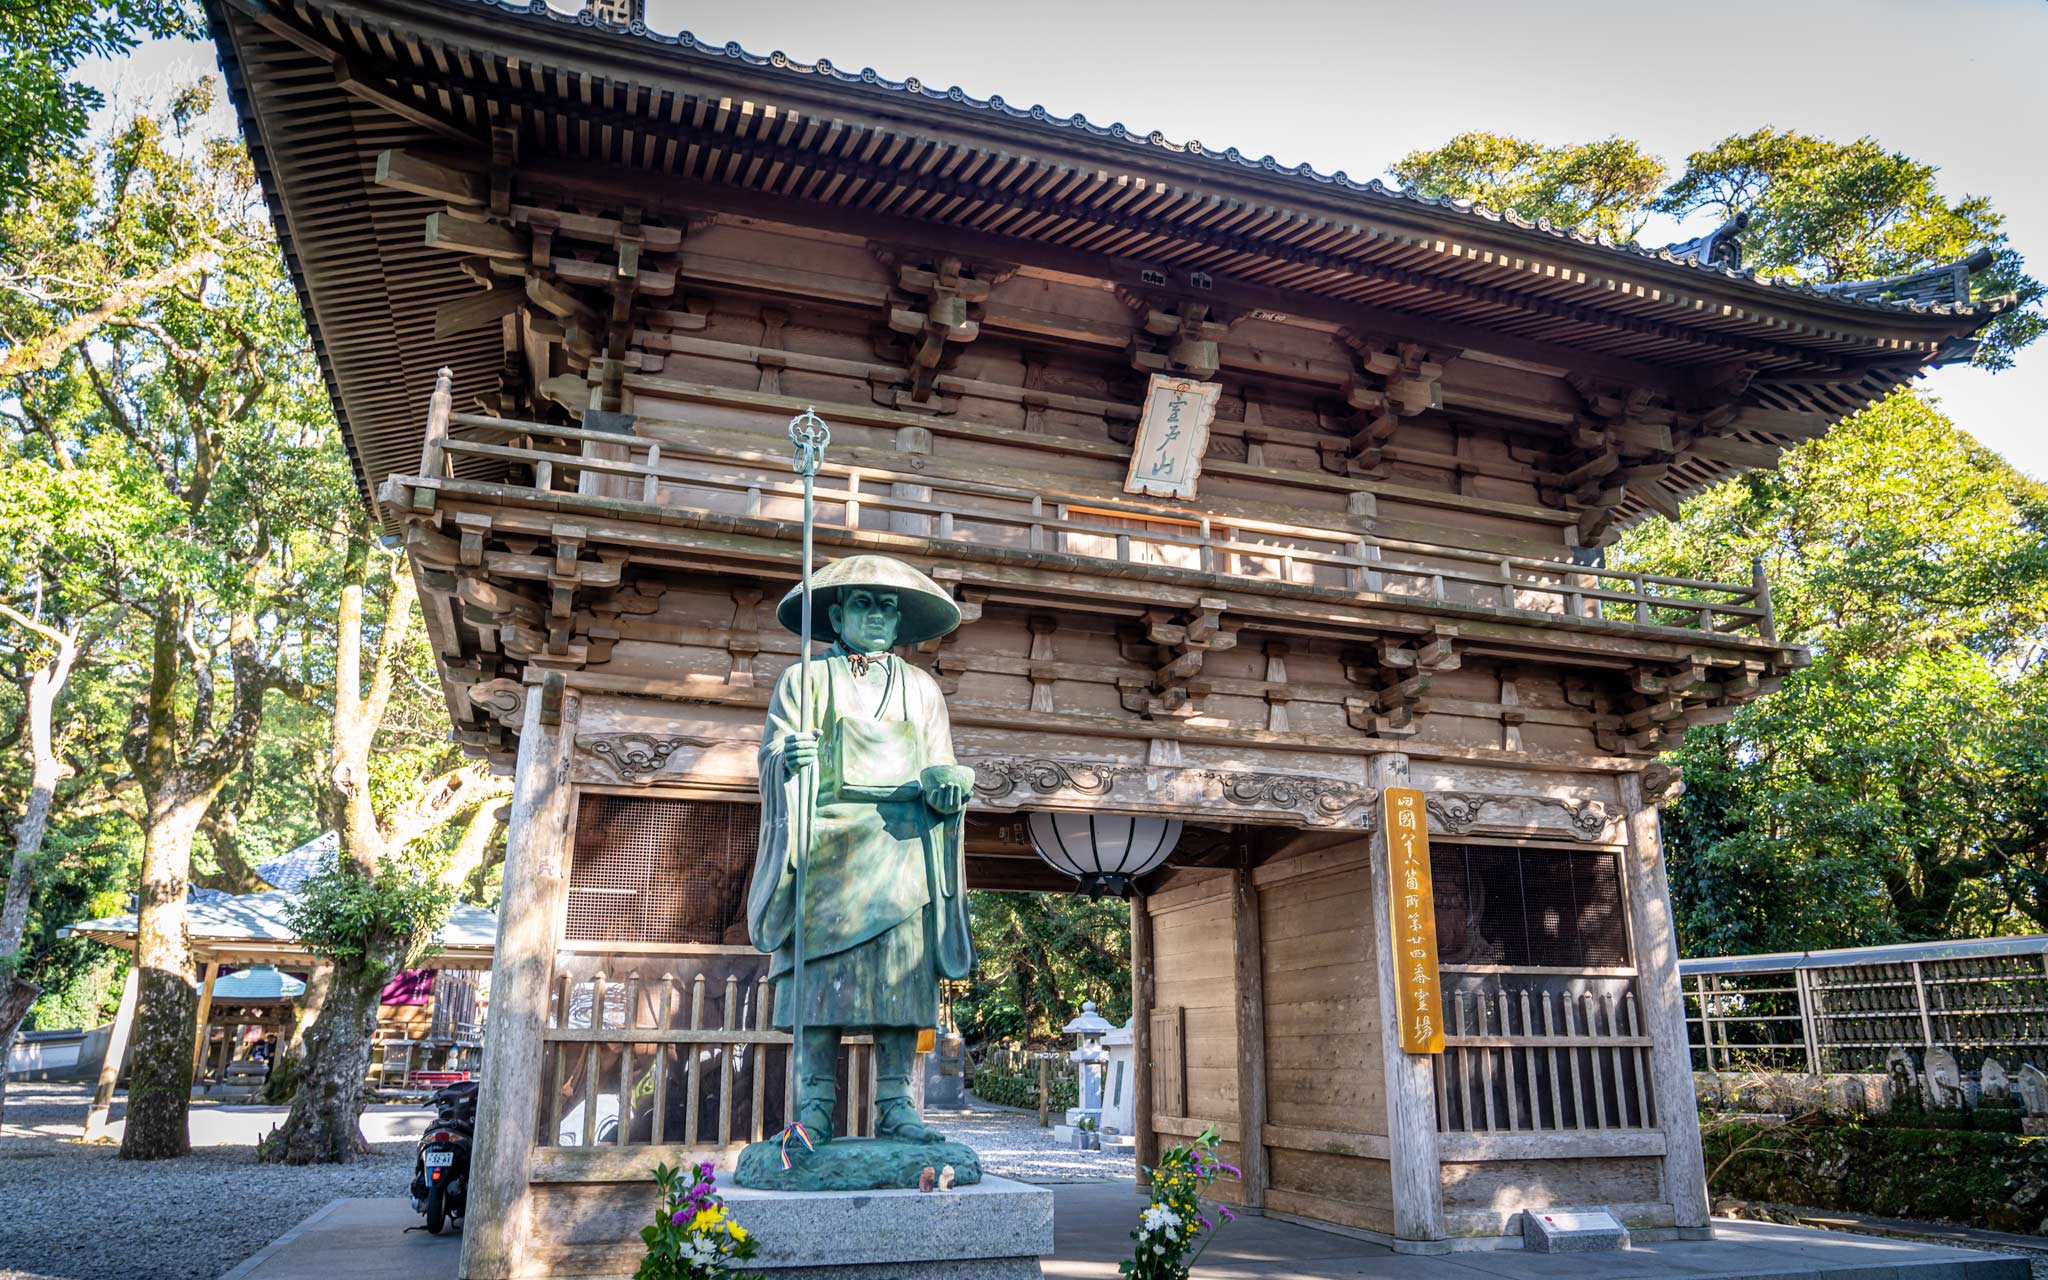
1271,501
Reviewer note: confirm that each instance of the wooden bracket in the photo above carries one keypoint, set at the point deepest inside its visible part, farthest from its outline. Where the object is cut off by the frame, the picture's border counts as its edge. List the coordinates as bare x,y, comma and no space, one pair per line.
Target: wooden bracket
1176,644
1181,342
1400,676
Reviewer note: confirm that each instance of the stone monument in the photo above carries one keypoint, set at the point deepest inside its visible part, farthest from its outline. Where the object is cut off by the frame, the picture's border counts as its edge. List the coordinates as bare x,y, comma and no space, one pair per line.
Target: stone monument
1944,1079
1993,1085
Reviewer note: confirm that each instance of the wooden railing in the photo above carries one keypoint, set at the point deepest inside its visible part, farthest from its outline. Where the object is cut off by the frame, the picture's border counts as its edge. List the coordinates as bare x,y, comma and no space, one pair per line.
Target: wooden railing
1535,1060
637,1062
680,473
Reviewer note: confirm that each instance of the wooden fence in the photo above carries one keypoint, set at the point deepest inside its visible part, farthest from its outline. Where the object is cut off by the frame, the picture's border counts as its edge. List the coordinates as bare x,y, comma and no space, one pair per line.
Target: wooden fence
1542,1059
678,1060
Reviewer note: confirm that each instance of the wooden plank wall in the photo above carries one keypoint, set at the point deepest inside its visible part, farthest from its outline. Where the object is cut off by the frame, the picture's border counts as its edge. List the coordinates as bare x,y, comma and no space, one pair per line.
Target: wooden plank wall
1196,975
1325,1097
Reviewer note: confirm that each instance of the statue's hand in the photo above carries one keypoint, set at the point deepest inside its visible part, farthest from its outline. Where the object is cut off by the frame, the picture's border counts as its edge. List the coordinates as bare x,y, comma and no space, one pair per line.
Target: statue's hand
947,787
799,752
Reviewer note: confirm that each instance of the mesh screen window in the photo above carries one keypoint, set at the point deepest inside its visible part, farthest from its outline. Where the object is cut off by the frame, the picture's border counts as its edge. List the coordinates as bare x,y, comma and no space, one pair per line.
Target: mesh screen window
1559,908
653,869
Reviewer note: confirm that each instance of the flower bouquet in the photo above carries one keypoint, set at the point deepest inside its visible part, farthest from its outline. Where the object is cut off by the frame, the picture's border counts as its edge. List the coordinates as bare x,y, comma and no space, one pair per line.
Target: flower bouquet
1173,1232
694,1236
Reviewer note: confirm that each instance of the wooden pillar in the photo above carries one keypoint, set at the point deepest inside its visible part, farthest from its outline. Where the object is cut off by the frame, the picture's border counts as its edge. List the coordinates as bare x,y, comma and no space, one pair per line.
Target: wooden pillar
117,1051
1413,1162
495,1225
1251,1035
1044,1092
211,973
1662,1000
1147,1148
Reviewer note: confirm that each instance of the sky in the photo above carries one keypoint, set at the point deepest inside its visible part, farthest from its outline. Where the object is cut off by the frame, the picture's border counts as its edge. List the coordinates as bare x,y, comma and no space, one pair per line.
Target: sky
1356,84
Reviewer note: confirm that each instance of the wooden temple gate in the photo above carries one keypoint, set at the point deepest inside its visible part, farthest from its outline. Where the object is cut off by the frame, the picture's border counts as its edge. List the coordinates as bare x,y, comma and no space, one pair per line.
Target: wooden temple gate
571,282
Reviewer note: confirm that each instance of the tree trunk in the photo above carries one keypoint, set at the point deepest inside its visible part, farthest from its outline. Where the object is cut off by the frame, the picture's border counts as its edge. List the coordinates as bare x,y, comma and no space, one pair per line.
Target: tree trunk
324,1126
15,1002
160,1075
291,1052
46,773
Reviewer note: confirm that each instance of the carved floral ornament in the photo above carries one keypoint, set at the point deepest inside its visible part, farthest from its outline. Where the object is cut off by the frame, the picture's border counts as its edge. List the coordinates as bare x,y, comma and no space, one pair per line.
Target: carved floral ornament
637,758
1454,813
1009,782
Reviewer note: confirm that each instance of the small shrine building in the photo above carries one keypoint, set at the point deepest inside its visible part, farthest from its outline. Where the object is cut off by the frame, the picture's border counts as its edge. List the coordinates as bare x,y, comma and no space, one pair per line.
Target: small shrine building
569,280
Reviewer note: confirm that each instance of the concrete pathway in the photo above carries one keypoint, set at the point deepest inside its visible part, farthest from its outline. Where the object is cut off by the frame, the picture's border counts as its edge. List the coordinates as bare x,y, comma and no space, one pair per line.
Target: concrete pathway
366,1240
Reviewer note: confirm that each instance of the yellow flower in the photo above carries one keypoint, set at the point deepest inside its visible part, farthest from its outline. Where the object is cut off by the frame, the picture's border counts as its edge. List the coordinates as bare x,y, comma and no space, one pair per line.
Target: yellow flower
736,1231
707,1219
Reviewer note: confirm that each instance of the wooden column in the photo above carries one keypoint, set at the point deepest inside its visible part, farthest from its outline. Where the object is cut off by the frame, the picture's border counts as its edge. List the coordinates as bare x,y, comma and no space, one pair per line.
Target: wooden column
117,1050
1662,1000
495,1226
211,973
1251,1034
1413,1162
1147,1151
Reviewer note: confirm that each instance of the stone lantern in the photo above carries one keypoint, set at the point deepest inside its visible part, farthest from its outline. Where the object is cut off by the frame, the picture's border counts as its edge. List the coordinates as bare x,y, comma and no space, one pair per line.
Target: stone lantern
1084,1122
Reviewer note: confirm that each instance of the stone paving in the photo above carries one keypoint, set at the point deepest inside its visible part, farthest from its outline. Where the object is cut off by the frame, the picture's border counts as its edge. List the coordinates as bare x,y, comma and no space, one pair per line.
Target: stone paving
72,1211
1012,1145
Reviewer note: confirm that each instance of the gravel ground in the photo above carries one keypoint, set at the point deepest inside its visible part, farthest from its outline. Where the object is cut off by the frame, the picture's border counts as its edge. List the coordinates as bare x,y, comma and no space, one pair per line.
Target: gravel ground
1013,1146
69,1211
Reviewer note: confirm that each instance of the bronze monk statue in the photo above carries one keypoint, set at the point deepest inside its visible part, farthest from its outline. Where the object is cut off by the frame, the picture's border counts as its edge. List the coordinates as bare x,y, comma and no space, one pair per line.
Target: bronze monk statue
872,784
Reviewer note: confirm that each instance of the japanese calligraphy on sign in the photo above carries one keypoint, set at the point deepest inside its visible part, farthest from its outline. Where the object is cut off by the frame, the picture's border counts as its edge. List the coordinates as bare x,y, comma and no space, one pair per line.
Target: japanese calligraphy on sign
1418,991
1173,434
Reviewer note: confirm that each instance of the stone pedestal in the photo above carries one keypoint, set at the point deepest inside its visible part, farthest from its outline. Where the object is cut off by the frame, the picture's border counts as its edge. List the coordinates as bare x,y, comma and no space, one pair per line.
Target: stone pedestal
852,1164
994,1230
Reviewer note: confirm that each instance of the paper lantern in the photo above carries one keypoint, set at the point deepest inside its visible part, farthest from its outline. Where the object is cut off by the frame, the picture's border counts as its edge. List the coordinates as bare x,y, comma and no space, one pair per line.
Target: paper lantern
1105,851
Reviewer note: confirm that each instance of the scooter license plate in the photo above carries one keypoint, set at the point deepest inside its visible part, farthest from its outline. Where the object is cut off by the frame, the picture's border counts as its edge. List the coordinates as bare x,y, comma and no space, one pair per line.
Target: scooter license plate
440,1159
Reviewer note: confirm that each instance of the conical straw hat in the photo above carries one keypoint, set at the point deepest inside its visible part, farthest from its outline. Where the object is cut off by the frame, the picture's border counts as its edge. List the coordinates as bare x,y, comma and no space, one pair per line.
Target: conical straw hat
927,611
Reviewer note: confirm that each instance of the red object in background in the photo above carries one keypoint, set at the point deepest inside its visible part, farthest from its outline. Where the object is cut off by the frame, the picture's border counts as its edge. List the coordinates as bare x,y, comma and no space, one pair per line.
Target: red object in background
413,986
439,1077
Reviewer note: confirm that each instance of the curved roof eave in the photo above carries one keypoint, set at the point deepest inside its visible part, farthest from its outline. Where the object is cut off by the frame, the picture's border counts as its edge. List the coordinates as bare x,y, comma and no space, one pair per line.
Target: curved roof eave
921,100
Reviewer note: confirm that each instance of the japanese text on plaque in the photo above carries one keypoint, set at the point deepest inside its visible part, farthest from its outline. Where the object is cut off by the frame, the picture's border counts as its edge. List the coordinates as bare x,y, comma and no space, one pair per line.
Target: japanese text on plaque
1173,434
1418,992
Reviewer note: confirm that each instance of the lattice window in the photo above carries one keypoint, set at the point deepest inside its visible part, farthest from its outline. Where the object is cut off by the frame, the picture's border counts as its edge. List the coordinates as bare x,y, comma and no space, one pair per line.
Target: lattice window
1512,905
655,869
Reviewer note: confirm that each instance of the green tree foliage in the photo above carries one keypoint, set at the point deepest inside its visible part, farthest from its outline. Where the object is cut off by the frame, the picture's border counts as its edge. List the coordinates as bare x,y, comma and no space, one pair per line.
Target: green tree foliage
1037,956
1604,187
1892,789
1836,211
42,43
1819,211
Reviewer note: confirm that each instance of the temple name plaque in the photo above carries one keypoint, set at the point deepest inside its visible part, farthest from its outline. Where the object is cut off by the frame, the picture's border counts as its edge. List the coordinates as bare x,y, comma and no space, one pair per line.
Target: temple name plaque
1173,434
1412,920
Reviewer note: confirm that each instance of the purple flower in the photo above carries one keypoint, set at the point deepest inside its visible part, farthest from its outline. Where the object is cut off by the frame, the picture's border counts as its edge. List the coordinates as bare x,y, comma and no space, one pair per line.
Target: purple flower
704,1170
1231,1169
1228,1216
677,1219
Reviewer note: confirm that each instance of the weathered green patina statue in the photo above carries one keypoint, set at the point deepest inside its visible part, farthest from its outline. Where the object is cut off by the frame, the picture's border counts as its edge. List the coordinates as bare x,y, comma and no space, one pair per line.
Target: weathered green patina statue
870,788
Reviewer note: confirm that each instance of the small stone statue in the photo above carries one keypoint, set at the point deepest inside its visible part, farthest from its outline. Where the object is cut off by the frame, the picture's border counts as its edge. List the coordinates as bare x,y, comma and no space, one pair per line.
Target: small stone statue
870,785
1944,1079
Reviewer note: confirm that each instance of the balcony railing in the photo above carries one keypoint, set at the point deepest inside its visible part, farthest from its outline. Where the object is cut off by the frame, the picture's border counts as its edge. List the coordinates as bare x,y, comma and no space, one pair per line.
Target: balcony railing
677,474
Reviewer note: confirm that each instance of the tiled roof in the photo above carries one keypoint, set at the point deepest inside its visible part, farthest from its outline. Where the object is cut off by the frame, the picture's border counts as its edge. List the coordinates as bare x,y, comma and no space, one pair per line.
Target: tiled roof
261,917
290,870
1683,254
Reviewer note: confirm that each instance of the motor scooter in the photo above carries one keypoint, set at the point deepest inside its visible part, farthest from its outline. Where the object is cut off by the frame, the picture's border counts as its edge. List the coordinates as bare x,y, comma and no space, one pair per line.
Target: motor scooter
440,1180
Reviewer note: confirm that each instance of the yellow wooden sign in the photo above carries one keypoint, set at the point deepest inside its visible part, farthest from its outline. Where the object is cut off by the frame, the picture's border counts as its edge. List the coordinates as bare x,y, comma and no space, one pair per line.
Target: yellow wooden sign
1418,990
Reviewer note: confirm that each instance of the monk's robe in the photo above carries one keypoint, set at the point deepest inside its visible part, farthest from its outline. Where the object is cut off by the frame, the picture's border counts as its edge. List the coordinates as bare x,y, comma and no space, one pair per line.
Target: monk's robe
885,904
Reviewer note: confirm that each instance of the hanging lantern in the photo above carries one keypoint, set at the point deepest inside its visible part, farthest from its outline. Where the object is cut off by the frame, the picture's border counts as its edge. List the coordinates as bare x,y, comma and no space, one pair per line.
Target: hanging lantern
1104,851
